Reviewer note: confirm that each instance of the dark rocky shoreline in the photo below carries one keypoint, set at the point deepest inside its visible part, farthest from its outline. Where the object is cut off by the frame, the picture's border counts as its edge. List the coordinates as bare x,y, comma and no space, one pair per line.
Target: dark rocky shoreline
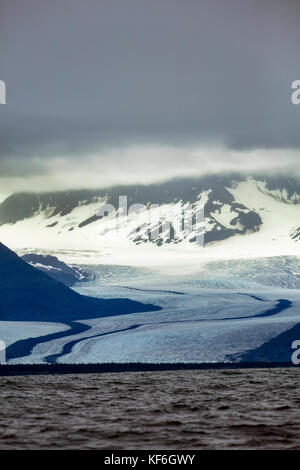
46,369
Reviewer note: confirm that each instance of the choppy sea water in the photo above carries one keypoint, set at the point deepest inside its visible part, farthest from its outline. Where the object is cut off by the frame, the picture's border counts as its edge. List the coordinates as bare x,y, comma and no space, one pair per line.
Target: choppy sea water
207,409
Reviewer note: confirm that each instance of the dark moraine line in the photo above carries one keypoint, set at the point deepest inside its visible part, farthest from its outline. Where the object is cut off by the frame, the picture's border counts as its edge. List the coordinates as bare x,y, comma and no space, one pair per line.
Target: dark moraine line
252,296
283,304
153,290
67,348
23,347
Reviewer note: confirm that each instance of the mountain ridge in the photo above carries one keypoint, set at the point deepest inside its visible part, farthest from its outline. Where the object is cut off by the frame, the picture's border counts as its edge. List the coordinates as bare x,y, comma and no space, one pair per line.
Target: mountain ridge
234,205
28,294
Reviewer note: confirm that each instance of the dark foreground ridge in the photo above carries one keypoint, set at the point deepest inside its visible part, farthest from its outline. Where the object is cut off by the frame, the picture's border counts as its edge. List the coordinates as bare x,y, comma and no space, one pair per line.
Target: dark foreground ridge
27,294
278,348
46,369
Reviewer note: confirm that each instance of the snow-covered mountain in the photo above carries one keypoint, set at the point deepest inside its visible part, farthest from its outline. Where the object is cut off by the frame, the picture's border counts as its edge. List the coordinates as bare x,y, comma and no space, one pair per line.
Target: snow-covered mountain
53,267
255,216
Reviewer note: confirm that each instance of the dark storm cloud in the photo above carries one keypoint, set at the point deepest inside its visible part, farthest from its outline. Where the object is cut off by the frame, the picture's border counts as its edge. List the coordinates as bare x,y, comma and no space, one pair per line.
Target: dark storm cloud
86,76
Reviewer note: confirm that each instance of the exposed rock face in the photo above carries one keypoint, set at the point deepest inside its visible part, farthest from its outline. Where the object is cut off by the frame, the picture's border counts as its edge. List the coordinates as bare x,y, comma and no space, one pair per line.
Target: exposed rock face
56,269
233,205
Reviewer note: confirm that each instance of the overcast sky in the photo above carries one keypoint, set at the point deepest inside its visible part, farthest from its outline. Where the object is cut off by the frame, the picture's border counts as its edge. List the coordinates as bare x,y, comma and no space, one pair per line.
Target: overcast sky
113,91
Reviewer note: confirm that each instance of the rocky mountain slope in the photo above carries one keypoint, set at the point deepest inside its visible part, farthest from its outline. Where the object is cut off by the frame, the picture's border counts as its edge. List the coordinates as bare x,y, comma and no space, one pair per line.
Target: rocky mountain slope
56,269
185,212
27,294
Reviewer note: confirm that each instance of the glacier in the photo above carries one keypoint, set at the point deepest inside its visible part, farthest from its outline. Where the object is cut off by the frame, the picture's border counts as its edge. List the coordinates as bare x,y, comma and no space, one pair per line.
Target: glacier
206,317
230,297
